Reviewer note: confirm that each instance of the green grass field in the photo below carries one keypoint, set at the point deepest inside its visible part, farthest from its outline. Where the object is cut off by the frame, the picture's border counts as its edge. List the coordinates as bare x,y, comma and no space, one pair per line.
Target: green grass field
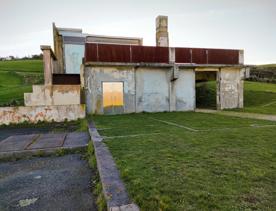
17,77
258,97
203,162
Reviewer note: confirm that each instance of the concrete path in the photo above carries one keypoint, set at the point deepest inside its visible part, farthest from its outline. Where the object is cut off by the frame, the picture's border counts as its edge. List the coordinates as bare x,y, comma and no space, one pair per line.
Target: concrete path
46,183
240,114
24,145
7,132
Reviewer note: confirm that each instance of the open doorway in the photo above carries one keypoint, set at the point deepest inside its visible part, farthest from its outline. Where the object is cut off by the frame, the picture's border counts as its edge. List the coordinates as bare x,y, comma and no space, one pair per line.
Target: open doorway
206,89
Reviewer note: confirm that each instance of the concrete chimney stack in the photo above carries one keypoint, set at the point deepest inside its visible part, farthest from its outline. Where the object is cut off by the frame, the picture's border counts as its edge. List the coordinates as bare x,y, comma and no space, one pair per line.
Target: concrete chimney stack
162,35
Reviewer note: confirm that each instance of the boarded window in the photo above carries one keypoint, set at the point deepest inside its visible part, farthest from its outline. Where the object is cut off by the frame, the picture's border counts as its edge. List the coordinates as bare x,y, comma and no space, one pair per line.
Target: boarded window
113,97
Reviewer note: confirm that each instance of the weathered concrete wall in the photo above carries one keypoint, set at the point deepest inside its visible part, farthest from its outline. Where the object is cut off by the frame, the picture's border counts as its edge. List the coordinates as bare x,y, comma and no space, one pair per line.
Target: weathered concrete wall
152,89
94,78
33,114
230,88
149,89
185,90
162,35
53,95
58,47
73,55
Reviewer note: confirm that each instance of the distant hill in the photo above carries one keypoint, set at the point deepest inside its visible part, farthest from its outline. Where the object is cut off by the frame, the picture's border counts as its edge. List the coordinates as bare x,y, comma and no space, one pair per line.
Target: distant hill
17,77
266,66
263,73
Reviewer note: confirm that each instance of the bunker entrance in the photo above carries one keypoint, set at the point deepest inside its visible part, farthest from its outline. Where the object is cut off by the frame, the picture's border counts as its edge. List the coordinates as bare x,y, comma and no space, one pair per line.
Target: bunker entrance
113,97
206,89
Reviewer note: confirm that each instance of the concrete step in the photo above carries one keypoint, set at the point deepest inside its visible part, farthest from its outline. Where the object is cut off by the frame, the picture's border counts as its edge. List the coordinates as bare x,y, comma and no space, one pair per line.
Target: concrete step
38,89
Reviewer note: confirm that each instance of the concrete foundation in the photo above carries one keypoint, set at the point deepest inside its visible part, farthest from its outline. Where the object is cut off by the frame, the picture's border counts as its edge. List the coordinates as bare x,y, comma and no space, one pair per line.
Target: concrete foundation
33,114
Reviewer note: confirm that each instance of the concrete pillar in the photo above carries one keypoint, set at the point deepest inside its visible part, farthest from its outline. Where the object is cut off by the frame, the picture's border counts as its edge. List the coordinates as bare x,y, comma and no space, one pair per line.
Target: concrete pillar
241,98
162,35
58,48
48,66
241,56
172,95
218,90
172,55
229,88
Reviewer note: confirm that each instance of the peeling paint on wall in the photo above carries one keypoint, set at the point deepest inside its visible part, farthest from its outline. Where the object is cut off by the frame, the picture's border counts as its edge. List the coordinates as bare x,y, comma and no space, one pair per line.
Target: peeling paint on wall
34,114
230,89
73,58
53,95
145,88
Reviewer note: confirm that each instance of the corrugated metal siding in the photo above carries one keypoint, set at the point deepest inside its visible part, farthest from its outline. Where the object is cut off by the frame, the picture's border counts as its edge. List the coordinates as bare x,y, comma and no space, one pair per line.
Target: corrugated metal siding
199,56
113,53
183,55
129,53
222,56
125,53
206,56
91,52
150,54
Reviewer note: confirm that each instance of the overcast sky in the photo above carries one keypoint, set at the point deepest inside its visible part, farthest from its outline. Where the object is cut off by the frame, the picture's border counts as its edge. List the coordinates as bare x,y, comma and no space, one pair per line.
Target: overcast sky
241,24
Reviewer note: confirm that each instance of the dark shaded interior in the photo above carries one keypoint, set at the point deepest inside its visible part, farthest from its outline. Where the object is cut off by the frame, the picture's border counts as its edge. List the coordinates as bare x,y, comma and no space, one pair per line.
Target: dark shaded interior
206,89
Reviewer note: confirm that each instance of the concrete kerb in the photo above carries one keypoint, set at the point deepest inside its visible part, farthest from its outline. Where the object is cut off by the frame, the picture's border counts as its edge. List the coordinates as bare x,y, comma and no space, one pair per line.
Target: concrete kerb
114,190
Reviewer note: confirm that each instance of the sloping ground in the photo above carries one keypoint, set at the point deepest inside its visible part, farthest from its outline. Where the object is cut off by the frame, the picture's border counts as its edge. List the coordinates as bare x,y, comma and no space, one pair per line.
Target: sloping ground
16,78
194,161
263,73
259,97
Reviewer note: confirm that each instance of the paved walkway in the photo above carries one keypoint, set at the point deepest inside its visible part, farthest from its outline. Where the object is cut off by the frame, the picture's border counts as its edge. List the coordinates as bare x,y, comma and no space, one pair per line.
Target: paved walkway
22,145
47,183
240,114
6,132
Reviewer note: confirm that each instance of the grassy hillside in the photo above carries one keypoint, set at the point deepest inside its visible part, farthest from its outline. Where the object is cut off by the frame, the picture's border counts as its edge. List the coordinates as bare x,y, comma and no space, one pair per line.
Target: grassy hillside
258,97
266,66
17,77
263,73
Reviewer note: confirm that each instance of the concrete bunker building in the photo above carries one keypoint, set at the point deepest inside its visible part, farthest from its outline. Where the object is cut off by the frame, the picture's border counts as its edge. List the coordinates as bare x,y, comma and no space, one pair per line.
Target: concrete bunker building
114,75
